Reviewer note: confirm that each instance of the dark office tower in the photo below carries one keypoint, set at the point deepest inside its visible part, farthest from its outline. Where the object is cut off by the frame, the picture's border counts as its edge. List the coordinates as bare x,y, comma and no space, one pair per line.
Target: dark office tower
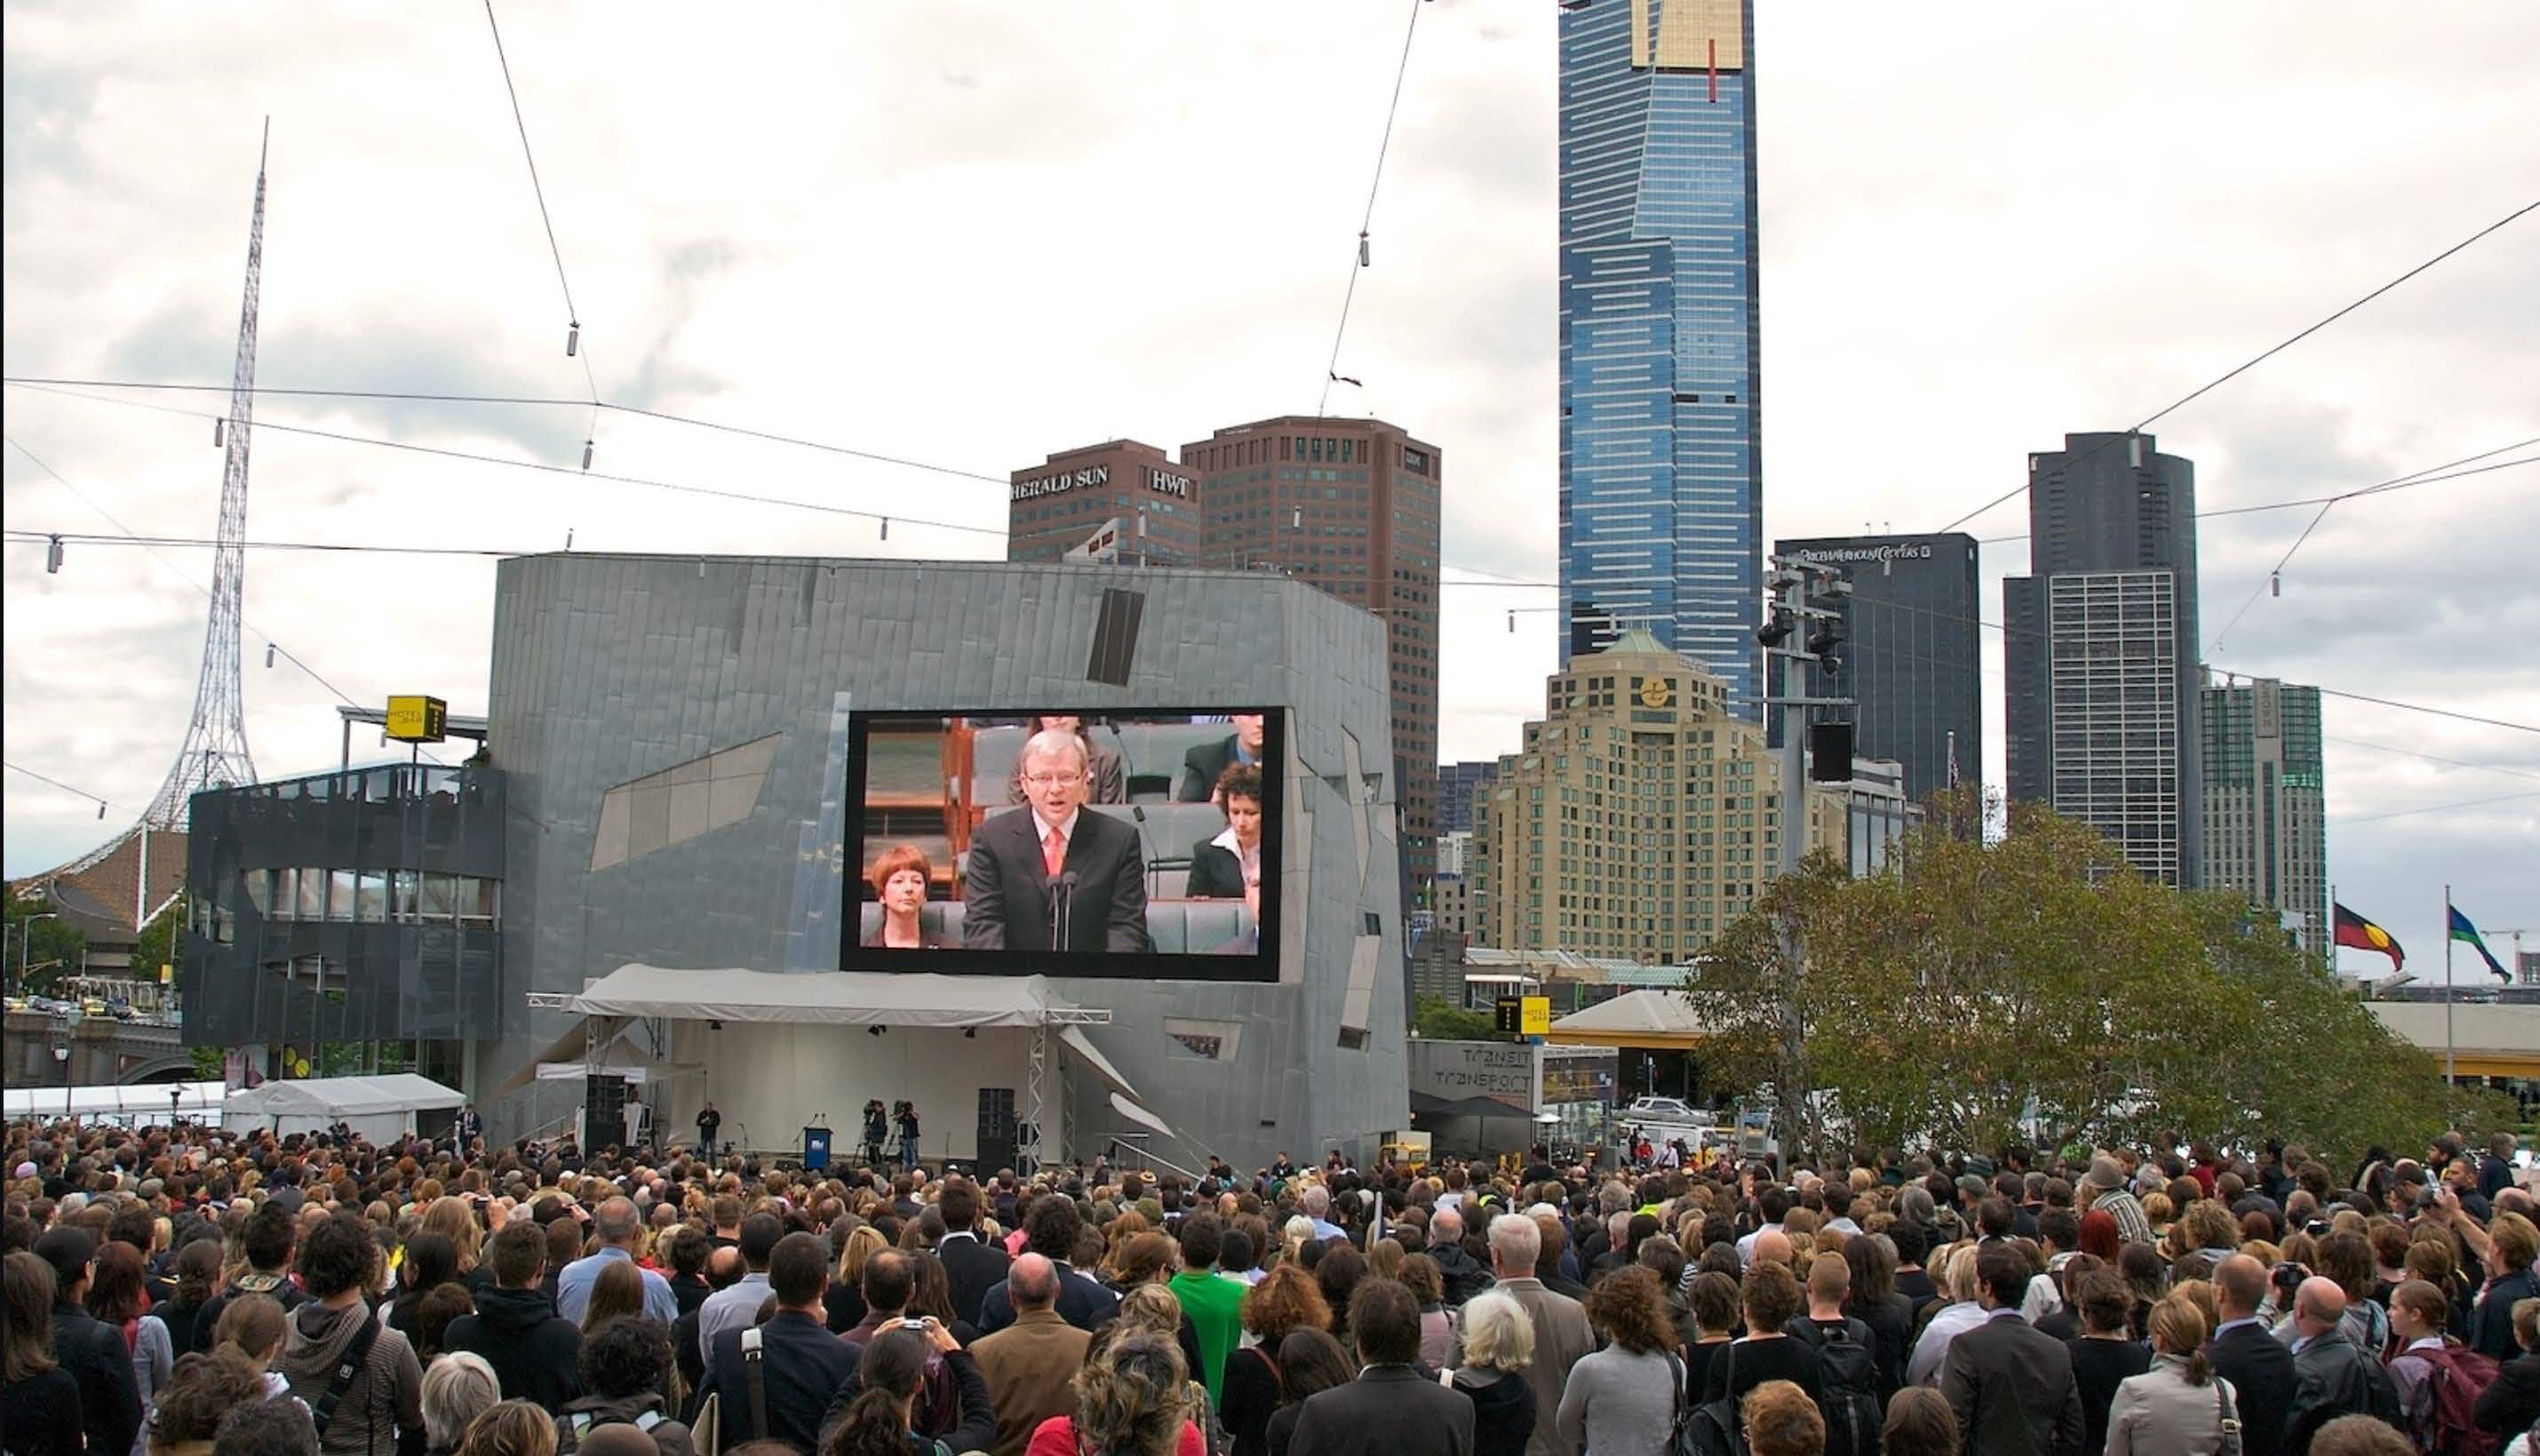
2100,649
1058,506
1349,506
1910,657
1457,782
1661,456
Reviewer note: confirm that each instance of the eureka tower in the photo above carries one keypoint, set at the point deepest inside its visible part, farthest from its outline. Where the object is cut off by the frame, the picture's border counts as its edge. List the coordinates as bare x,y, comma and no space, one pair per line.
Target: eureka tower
1661,518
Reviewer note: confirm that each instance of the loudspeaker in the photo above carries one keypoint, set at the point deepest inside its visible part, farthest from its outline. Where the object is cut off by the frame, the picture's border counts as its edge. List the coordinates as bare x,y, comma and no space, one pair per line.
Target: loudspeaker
604,1099
1830,753
997,1128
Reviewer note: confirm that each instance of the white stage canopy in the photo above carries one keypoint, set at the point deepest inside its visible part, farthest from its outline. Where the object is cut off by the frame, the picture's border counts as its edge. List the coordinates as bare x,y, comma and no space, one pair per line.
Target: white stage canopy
136,1101
378,1107
838,999
914,999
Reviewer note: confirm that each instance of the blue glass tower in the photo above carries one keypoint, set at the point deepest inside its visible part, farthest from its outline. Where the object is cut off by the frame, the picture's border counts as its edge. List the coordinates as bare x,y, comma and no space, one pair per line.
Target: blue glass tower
1661,518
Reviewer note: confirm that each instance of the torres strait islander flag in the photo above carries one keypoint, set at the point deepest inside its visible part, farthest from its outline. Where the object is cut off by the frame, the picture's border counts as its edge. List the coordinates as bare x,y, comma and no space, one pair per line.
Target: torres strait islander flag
2353,929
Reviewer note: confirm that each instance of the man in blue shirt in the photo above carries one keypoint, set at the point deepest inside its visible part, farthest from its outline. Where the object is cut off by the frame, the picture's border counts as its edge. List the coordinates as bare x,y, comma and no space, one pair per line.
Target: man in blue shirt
619,1230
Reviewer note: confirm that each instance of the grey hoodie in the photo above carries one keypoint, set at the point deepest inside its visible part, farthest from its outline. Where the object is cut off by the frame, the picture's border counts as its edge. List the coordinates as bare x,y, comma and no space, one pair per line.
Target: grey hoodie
384,1398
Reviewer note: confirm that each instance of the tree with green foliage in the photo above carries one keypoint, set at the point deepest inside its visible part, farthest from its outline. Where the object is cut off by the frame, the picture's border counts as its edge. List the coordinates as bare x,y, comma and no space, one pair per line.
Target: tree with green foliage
2037,989
1440,1020
40,945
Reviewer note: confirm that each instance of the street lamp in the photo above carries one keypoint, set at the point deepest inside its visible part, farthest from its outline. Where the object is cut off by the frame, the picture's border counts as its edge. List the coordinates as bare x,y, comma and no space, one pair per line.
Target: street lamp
62,1054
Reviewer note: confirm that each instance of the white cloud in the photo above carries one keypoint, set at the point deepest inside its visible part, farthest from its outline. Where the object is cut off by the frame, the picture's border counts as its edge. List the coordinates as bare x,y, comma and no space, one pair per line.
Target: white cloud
977,233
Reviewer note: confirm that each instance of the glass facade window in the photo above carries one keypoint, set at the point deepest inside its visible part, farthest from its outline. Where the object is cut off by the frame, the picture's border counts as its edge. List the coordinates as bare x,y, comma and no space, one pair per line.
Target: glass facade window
339,896
1661,514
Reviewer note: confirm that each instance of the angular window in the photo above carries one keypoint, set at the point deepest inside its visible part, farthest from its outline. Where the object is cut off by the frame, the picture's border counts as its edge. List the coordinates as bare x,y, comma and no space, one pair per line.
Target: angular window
310,899
403,887
476,898
339,896
371,897
259,891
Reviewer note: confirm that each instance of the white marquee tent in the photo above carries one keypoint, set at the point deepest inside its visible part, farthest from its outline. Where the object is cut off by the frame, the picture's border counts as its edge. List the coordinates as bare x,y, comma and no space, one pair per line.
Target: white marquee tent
130,1103
378,1107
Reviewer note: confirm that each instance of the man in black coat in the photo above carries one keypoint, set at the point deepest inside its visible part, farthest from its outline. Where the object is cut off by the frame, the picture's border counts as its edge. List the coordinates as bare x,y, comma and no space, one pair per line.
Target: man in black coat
1203,764
1050,1230
2012,1385
2248,1353
92,1351
801,1364
970,1268
1016,857
532,1349
1390,1409
2332,1377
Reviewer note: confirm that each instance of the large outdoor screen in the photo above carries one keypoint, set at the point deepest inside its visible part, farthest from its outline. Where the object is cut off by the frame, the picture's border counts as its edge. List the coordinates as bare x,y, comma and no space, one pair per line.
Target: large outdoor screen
1139,843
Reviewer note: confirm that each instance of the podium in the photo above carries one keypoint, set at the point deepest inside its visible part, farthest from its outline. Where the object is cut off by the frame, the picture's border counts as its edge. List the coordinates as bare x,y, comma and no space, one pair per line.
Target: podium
815,1150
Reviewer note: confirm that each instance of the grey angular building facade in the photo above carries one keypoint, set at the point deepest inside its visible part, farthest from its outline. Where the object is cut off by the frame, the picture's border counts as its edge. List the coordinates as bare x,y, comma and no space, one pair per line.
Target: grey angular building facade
710,699
2101,650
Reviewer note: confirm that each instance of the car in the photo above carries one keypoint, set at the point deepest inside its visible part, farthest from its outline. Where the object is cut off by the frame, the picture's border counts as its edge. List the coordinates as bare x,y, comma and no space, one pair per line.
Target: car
1663,1109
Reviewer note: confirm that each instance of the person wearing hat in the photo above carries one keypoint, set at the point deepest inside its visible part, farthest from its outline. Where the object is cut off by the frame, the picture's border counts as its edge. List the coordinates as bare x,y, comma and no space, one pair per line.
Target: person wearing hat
2106,1189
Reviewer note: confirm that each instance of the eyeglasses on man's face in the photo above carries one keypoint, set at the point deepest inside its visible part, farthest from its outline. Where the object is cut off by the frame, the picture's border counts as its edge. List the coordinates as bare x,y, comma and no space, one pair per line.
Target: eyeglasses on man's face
1052,781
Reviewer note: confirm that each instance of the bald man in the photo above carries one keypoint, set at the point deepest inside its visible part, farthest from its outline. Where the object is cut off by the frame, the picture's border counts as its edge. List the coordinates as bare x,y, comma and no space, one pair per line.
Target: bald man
2331,1376
1774,1244
2245,1353
1028,1363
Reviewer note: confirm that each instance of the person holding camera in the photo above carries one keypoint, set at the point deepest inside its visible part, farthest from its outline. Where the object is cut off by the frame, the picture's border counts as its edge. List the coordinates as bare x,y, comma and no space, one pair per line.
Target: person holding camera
876,1128
904,1113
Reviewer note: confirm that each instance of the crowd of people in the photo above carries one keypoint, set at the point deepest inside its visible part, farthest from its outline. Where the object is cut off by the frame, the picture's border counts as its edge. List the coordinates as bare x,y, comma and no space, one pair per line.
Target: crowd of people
189,1292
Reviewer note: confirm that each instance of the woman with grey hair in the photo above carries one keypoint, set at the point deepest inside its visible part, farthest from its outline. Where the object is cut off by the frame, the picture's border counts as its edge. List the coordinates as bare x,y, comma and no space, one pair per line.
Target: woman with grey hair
1498,1343
456,1389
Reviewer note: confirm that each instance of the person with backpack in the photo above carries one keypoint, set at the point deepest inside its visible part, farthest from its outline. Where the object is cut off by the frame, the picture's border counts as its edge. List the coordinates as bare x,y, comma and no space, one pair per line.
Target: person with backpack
1847,1360
623,1364
2331,1376
2438,1380
359,1378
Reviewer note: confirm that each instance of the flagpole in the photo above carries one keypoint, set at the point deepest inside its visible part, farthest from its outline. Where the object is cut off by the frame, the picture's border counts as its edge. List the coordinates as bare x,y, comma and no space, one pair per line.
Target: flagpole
2447,983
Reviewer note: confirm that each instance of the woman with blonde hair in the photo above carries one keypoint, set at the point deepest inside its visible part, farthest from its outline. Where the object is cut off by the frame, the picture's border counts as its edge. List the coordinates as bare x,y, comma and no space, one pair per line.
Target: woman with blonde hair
845,1301
253,1328
510,1429
1498,1343
455,1218
2179,1407
1133,1399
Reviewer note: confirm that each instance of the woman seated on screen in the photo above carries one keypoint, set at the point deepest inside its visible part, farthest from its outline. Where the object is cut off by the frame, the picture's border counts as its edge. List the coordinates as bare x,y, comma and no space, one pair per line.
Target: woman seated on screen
899,880
1105,779
1228,867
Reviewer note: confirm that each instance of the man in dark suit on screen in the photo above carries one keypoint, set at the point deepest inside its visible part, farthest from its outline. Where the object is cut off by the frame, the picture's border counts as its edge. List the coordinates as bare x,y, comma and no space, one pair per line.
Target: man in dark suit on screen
1017,859
1205,764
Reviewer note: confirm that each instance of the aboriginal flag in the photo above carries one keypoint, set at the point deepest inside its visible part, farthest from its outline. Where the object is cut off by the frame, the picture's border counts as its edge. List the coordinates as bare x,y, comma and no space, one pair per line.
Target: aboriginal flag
2353,929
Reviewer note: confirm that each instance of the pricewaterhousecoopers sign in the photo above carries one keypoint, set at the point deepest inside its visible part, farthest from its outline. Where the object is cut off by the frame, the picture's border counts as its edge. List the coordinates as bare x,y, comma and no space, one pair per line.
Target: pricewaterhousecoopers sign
1885,554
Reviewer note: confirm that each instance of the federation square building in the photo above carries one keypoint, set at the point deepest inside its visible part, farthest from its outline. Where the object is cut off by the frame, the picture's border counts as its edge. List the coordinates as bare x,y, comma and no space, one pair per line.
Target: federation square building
1661,516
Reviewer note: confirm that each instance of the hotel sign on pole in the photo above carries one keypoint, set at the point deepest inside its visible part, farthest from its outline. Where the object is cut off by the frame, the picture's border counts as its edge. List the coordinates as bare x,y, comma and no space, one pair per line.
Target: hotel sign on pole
415,718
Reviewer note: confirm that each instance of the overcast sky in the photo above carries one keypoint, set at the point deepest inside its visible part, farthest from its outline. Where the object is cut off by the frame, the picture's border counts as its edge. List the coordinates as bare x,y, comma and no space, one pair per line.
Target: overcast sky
974,233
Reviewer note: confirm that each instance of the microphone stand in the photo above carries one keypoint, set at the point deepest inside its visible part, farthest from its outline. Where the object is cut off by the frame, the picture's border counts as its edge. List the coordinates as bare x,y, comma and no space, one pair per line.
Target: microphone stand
1062,909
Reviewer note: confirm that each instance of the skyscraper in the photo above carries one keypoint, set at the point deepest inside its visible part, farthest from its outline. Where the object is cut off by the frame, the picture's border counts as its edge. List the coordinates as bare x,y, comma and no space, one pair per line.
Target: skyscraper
2266,802
1910,657
2101,650
1057,506
1457,785
1349,506
1640,817
1661,511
